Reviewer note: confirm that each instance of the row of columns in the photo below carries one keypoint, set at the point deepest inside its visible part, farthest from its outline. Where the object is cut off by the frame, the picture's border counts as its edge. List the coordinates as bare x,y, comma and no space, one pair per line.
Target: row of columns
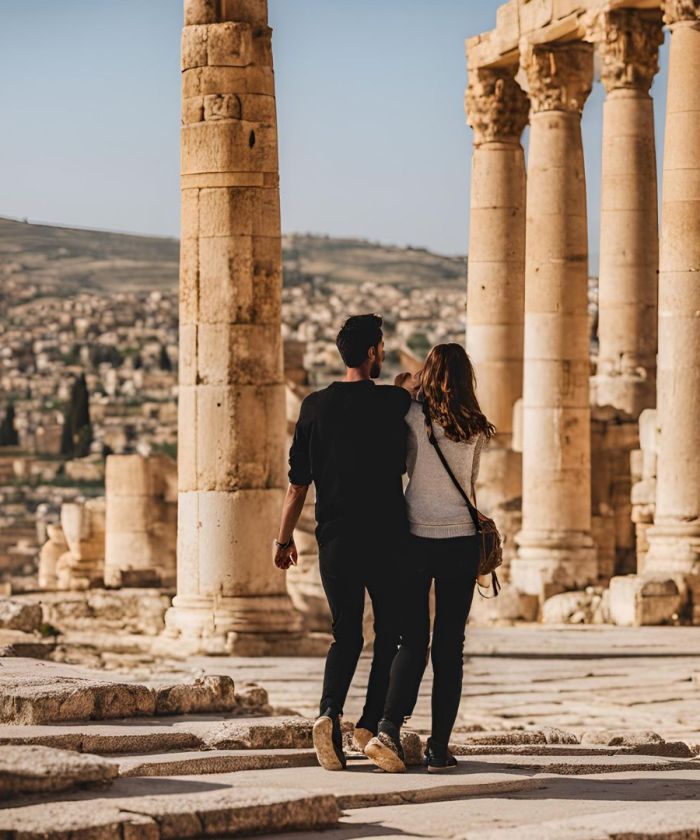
544,332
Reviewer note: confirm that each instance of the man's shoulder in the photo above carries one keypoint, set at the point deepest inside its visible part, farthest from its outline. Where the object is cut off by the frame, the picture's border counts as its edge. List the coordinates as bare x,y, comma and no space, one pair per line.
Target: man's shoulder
396,397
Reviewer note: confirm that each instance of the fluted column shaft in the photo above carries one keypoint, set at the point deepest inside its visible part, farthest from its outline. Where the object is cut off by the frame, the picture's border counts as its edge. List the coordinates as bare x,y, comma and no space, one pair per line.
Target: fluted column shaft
626,377
231,426
497,110
555,549
674,540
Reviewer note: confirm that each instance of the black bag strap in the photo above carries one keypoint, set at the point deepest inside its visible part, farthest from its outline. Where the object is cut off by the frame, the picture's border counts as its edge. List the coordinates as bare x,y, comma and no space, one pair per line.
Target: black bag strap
433,440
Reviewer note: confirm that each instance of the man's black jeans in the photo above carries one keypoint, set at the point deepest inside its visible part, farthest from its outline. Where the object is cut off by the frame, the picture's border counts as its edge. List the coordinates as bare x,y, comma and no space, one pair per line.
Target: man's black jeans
349,566
453,564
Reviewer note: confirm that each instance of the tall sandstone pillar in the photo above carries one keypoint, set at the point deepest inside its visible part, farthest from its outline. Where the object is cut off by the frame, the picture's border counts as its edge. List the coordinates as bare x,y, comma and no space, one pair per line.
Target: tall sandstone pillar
629,42
555,548
231,469
497,110
674,540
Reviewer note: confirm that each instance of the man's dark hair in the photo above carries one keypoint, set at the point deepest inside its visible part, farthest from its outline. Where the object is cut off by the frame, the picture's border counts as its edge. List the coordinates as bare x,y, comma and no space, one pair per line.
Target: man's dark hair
356,336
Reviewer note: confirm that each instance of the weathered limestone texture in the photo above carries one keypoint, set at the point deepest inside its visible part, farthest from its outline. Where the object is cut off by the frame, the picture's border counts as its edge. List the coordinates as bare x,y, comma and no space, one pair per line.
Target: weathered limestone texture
614,436
141,520
636,601
643,471
231,459
52,550
674,540
83,526
628,42
497,110
555,548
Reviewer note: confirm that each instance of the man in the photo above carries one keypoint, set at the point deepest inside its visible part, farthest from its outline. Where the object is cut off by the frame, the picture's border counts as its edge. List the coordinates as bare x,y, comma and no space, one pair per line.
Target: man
350,441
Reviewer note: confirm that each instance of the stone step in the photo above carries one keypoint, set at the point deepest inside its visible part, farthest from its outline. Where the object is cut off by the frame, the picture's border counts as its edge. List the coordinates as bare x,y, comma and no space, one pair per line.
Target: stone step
182,810
655,821
574,765
195,763
38,692
33,769
256,801
577,807
670,749
154,735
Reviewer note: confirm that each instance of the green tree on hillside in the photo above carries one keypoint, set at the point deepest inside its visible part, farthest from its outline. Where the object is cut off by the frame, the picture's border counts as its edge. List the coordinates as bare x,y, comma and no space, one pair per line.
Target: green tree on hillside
77,429
8,433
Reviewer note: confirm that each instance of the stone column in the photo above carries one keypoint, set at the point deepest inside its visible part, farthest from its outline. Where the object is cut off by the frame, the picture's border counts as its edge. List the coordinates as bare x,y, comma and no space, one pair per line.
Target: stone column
629,42
231,459
555,548
140,522
497,110
674,540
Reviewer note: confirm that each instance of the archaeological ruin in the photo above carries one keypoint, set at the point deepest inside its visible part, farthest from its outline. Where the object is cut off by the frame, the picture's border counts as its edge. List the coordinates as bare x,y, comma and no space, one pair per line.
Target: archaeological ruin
594,475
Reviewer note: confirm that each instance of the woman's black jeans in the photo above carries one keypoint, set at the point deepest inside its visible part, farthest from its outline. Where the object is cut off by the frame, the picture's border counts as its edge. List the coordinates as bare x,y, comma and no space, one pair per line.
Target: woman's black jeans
453,564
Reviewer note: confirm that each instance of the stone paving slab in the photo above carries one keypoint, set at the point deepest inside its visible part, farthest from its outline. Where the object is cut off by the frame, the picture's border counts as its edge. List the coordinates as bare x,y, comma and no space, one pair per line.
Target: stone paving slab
37,692
657,821
558,798
672,749
32,769
214,761
179,814
363,785
575,765
149,734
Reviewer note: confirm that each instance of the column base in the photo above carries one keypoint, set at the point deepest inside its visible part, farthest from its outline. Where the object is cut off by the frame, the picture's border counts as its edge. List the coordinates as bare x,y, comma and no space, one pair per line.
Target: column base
551,562
674,550
265,625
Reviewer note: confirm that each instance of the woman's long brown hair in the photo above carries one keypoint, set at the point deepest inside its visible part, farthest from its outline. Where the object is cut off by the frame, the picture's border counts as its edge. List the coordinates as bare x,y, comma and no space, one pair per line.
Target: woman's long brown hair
448,385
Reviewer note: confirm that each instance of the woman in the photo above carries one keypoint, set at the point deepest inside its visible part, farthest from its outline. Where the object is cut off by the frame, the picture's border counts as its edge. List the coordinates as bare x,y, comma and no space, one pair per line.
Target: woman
444,548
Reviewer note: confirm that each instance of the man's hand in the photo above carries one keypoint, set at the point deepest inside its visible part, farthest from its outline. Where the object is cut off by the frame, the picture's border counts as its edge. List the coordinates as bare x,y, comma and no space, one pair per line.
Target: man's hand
283,558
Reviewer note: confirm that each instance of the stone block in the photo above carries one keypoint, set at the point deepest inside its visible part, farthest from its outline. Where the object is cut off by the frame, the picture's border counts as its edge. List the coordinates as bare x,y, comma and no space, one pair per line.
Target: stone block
648,430
239,354
239,211
241,440
201,81
200,12
221,106
229,44
271,734
226,279
636,601
228,146
209,693
193,48
36,769
644,492
18,615
583,607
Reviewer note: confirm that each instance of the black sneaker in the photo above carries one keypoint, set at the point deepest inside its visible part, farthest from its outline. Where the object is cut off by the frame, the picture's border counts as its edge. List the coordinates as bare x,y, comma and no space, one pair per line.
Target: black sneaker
385,748
328,741
438,759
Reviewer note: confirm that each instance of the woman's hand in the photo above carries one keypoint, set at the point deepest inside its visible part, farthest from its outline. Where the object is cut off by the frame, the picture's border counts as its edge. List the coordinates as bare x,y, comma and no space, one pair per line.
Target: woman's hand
408,381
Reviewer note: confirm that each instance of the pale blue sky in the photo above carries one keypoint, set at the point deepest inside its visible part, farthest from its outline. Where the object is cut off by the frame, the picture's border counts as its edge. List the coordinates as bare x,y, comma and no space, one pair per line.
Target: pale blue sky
373,141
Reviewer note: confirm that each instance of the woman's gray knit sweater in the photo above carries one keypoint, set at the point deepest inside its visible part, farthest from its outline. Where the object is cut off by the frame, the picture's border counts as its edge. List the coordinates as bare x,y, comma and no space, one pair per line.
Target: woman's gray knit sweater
435,507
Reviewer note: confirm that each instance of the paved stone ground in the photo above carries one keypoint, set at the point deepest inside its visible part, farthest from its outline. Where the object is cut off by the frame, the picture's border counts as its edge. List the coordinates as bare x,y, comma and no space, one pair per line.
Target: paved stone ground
576,678
213,775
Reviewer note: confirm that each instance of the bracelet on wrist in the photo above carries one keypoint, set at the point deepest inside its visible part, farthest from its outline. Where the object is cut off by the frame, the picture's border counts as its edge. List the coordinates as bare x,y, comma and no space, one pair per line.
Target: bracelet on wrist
285,544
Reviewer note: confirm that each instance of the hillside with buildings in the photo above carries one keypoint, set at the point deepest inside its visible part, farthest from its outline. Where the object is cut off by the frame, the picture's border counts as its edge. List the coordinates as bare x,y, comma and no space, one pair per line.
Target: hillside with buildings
49,259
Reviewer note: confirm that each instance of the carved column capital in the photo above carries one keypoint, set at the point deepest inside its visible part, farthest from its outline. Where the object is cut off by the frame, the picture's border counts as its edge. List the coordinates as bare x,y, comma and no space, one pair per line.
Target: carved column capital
628,41
559,75
676,11
497,107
